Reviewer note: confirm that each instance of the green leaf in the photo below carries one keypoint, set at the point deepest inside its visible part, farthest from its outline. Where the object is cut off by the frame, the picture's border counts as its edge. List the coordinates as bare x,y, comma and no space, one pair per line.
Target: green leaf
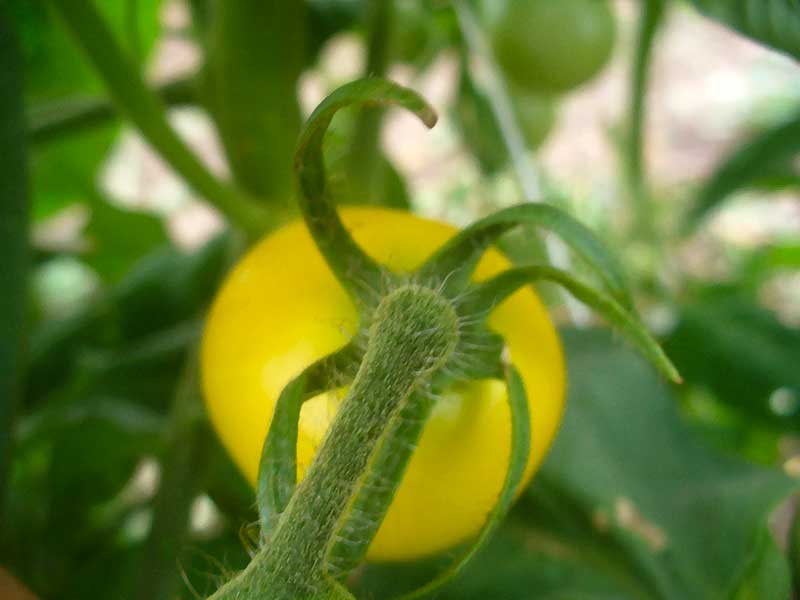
746,164
628,505
775,23
64,170
14,232
692,515
725,342
768,575
120,237
123,78
146,311
769,260
461,252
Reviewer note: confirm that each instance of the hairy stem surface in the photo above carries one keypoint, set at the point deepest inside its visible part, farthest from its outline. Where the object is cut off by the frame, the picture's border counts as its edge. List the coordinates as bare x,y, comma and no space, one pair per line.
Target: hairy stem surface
414,332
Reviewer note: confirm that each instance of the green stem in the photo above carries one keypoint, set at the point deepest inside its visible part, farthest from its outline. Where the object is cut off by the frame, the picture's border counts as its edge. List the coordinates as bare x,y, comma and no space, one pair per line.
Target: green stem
74,115
364,160
652,15
184,464
255,55
14,247
129,92
413,333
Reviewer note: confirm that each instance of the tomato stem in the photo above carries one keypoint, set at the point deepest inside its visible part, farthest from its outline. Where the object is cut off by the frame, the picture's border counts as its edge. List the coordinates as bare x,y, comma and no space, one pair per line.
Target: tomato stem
144,108
413,334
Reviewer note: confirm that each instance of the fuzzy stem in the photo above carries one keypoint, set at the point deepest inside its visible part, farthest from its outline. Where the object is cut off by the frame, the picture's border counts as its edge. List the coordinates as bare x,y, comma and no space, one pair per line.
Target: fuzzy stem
129,92
413,333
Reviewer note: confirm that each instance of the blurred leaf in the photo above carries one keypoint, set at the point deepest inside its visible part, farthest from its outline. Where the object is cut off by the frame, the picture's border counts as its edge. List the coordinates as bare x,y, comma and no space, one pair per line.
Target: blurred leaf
474,117
119,237
478,127
747,163
727,343
768,575
768,260
64,170
14,245
775,23
326,18
627,505
149,310
68,506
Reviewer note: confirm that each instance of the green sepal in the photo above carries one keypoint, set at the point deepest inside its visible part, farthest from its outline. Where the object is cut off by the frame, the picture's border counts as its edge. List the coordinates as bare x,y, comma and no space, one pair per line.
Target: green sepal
518,460
456,260
501,286
277,469
358,273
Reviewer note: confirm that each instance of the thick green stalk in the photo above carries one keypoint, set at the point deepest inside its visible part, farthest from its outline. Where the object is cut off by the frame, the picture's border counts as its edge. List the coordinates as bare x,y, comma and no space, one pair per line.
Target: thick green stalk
14,247
414,332
129,92
255,55
364,162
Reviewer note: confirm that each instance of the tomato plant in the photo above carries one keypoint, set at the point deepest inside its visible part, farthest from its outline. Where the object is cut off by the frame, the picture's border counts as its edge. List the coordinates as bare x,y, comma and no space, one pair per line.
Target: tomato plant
294,347
553,46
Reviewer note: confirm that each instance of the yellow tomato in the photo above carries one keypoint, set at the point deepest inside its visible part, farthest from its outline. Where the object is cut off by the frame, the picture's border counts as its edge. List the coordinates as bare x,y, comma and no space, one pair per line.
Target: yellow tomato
281,309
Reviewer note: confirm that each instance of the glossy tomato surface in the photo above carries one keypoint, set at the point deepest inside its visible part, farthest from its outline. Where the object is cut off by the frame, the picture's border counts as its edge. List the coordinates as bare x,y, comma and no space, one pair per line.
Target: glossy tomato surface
553,45
281,309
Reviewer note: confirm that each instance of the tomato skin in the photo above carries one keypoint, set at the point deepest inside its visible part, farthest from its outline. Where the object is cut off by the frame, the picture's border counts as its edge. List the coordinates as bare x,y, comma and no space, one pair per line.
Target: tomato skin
553,45
281,309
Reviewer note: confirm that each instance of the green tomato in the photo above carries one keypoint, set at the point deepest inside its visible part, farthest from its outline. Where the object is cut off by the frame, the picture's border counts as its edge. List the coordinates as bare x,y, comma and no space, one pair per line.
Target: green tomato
553,45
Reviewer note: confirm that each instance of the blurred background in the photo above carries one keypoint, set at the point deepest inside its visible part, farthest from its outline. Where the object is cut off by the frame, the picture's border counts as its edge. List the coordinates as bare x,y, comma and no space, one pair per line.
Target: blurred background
690,172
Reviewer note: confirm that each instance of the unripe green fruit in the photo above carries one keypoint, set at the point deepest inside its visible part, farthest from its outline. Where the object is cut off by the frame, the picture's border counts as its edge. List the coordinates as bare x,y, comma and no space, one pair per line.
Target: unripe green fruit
553,45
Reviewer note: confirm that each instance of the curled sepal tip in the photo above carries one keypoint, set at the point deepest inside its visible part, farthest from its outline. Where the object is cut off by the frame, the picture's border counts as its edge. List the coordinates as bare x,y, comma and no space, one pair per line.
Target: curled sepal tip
356,271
